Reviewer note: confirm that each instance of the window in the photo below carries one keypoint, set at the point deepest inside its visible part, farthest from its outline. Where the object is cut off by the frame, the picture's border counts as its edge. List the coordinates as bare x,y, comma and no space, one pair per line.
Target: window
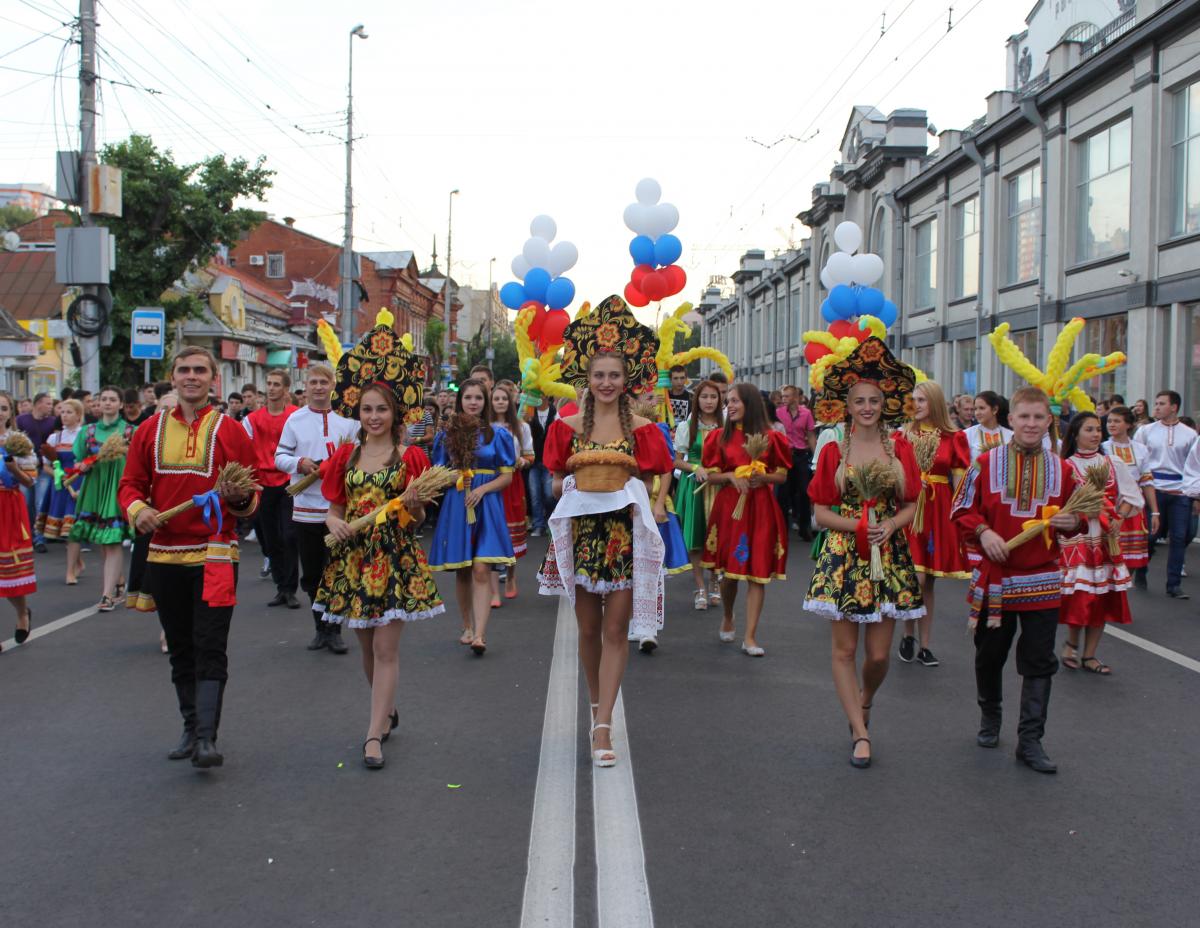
927,269
923,360
797,314
1102,225
781,319
966,247
1185,149
965,369
1104,336
822,290
1024,225
879,231
274,263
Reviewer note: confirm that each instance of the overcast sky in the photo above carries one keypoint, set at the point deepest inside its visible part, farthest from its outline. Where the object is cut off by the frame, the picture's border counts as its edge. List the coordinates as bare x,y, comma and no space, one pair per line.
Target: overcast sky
526,107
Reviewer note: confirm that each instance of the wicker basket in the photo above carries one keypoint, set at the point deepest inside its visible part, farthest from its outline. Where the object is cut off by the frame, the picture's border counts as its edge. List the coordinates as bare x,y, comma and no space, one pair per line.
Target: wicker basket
601,471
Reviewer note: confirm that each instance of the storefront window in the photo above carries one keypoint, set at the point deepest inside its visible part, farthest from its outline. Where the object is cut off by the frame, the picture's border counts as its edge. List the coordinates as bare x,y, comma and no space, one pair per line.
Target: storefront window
1104,336
1027,342
965,369
1191,399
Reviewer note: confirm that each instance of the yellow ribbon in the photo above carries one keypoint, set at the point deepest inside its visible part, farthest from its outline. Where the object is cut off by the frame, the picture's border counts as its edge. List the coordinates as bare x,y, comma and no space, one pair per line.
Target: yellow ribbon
746,471
1043,521
463,485
403,516
927,481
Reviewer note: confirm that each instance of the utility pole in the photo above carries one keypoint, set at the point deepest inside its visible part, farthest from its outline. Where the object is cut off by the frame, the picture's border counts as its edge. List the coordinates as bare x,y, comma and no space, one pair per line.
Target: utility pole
347,297
89,348
491,354
446,292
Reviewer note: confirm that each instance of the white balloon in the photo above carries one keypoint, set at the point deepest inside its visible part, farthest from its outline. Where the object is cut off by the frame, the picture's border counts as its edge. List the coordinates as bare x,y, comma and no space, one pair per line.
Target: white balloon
537,252
866,268
520,267
668,217
840,268
637,218
848,236
826,280
648,191
543,227
562,258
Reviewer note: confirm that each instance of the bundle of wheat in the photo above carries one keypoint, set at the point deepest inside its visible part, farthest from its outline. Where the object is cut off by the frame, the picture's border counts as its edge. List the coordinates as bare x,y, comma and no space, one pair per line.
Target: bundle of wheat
872,481
309,479
18,445
426,487
1087,500
757,447
234,481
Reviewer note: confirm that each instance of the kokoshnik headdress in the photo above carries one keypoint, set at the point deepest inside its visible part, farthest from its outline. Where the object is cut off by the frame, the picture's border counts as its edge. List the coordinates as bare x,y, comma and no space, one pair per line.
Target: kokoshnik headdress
874,363
380,357
611,328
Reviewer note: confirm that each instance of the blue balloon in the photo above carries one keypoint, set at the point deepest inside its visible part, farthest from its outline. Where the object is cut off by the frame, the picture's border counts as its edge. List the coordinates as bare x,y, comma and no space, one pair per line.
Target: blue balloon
828,313
560,293
512,295
888,313
870,301
537,281
668,249
641,249
842,298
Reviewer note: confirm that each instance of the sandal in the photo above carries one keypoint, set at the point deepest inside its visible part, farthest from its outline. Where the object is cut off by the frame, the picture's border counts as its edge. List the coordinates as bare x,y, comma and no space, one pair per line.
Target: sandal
21,635
1070,662
1097,666
700,601
106,604
373,763
479,646
860,762
603,757
119,592
467,636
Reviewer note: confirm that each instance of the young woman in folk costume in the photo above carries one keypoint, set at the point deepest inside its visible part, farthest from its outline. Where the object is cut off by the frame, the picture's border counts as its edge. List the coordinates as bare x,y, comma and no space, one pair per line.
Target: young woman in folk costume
1135,533
377,580
472,533
746,535
991,424
847,587
17,579
58,507
98,516
504,415
606,554
937,549
1095,580
694,507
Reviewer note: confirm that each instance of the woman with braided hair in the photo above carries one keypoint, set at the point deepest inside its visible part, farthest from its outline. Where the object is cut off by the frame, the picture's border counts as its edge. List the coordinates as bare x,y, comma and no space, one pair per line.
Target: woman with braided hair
472,533
864,575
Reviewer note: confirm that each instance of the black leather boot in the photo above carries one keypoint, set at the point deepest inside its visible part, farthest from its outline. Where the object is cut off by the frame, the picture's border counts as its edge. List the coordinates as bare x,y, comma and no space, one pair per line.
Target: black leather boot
208,716
1035,702
186,694
989,690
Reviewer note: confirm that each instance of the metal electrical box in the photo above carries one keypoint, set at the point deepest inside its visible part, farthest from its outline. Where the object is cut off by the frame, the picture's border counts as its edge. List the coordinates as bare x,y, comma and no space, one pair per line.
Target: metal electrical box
84,255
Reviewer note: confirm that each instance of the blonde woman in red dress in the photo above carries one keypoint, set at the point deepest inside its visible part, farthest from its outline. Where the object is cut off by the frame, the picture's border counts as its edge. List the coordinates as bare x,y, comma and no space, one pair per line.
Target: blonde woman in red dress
17,579
504,415
937,548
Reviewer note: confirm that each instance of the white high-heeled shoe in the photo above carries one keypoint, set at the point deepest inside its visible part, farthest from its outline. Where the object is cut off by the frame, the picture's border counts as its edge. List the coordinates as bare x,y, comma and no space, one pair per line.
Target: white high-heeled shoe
603,757
727,636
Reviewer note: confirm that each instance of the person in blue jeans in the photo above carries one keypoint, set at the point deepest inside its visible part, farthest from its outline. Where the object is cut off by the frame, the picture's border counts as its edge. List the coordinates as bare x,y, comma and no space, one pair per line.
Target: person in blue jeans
541,481
1165,445
39,424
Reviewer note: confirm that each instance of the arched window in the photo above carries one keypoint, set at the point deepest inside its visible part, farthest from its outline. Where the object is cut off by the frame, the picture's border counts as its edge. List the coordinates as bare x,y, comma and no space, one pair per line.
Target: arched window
879,233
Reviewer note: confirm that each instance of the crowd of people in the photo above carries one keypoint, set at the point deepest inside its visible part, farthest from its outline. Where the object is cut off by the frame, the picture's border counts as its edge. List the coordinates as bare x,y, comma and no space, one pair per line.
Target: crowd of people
901,486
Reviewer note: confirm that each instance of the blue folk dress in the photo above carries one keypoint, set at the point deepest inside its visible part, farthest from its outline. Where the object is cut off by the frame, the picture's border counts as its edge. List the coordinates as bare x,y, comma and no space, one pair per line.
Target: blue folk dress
458,543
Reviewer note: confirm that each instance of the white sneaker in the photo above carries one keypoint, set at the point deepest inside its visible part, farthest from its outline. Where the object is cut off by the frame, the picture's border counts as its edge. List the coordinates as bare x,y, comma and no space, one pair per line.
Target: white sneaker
648,644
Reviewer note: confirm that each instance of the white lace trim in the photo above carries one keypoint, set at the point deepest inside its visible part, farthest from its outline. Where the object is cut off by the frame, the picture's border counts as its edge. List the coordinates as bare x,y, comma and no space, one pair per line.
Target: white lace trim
886,611
392,615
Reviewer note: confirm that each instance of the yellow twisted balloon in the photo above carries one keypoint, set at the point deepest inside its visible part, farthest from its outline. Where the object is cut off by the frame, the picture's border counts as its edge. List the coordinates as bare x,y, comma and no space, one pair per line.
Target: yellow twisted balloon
329,341
1060,382
541,376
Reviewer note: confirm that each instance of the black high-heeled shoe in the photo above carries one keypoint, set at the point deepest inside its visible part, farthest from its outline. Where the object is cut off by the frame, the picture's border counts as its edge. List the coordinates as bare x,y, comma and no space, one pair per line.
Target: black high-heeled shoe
860,762
373,763
21,635
393,721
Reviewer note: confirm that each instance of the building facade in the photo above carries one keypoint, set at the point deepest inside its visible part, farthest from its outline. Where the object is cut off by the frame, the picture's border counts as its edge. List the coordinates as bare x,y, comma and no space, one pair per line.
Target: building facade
1076,194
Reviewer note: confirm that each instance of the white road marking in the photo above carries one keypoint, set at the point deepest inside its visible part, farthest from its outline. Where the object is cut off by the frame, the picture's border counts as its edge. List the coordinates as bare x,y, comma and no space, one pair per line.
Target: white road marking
622,890
550,877
1157,649
42,630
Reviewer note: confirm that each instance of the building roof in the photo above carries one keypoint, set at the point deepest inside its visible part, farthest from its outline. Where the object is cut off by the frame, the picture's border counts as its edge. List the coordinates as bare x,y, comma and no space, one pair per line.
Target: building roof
41,230
11,331
28,289
389,260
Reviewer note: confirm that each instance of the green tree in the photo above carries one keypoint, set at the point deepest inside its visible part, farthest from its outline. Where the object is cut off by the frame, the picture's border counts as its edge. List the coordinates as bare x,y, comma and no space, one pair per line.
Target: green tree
687,344
435,331
174,217
506,365
13,215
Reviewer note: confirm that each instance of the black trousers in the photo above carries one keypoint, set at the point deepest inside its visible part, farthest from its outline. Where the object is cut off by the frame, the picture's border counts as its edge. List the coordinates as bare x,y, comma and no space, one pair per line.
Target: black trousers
277,533
793,494
197,634
314,555
137,563
1035,647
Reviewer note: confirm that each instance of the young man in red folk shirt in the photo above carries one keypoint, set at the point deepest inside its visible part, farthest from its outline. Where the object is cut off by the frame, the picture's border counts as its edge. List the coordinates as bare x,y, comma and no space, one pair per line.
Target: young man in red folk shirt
277,533
1008,487
191,571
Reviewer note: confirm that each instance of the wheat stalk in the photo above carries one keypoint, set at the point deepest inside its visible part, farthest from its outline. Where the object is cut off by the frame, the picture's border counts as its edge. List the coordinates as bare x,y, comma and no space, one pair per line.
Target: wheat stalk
234,481
871,481
1087,500
925,448
427,486
115,448
309,479
757,447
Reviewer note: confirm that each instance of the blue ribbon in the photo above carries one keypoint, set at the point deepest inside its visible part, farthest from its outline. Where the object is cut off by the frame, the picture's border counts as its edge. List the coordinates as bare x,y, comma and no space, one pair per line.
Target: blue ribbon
5,477
209,505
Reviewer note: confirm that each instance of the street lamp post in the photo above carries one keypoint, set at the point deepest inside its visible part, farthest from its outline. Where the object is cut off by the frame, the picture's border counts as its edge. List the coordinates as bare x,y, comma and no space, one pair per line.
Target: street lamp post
347,298
446,291
491,355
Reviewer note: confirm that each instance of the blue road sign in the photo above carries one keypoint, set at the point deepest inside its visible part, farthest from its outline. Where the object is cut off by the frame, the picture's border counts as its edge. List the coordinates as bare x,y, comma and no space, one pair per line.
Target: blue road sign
148,334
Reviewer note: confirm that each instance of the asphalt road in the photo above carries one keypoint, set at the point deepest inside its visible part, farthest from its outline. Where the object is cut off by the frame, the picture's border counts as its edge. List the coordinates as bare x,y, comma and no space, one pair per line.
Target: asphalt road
746,810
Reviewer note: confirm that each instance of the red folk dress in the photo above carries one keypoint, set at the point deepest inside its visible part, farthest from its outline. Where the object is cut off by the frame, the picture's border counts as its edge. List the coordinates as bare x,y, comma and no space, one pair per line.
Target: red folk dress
1094,581
937,547
17,576
753,548
1135,532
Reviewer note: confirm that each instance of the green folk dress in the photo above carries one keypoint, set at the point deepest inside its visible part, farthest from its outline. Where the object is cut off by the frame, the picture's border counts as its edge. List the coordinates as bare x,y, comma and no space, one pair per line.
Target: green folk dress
692,507
98,516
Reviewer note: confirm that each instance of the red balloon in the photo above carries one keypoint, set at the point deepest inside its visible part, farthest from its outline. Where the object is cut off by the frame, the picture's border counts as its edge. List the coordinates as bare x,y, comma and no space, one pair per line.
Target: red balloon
634,296
676,278
815,350
539,317
639,272
843,328
654,285
553,327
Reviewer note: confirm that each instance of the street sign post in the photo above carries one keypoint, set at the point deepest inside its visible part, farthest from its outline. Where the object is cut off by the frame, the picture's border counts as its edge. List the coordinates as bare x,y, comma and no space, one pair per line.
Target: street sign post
148,335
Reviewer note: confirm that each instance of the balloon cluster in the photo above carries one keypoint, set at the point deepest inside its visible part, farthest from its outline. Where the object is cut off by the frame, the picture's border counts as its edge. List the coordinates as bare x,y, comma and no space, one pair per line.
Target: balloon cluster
541,267
654,249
